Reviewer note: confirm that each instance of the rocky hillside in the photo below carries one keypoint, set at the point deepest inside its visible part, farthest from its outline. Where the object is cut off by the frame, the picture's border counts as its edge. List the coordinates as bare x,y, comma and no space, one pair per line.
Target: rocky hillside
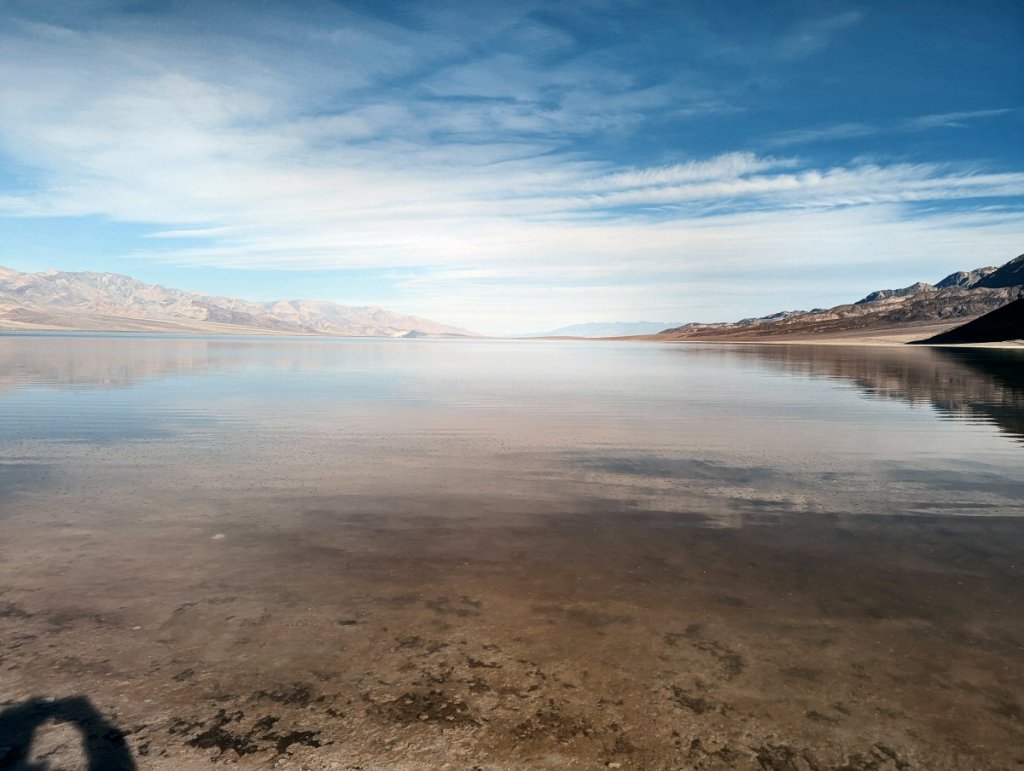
108,301
1011,274
957,298
1006,323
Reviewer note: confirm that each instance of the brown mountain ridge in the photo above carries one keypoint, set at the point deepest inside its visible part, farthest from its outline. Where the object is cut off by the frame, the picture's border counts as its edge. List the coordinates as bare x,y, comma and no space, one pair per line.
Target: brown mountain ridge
917,311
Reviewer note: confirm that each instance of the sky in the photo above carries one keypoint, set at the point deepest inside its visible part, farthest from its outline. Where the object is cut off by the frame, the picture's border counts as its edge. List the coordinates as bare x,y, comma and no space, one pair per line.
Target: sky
515,166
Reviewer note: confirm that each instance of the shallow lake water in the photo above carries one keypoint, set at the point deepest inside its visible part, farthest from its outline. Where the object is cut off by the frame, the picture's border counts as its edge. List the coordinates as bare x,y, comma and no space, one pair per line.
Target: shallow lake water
401,554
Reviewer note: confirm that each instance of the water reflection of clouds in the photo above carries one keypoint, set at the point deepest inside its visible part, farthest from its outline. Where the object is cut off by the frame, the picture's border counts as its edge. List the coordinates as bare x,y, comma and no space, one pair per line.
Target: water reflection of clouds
720,494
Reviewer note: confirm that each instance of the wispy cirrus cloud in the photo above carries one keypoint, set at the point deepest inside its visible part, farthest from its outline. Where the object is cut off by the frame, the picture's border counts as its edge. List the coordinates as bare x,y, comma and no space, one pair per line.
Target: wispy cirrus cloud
815,34
842,131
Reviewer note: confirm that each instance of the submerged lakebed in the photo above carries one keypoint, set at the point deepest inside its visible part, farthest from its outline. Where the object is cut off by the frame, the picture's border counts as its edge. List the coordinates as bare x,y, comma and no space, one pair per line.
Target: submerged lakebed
400,554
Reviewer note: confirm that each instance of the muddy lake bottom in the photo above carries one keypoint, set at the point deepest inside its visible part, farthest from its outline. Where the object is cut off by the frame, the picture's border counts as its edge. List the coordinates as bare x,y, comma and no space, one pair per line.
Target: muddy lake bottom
508,555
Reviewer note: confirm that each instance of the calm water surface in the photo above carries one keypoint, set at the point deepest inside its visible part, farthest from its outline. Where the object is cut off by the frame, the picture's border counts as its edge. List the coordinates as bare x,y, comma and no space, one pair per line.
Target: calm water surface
514,554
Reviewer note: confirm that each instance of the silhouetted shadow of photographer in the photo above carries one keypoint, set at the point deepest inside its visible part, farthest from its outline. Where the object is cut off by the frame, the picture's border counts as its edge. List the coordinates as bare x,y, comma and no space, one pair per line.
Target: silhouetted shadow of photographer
103,742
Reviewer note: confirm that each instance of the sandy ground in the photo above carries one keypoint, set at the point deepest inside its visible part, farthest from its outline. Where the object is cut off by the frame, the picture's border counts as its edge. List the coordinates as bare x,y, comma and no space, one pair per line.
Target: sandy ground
377,634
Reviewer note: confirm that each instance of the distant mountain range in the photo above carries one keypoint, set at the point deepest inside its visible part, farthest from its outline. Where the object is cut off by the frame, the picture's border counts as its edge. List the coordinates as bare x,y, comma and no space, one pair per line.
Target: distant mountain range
918,310
606,329
56,300
111,302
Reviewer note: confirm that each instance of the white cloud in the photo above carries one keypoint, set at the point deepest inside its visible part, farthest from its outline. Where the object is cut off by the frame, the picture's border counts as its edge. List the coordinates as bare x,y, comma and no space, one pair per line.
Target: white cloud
840,131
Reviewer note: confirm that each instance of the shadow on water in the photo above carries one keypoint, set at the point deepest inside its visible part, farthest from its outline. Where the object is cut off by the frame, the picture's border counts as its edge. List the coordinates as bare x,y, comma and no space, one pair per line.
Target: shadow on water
973,385
104,743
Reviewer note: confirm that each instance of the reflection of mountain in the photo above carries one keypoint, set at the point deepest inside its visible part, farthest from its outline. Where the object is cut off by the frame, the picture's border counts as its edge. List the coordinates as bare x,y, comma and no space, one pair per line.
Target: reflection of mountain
84,361
78,361
73,362
978,384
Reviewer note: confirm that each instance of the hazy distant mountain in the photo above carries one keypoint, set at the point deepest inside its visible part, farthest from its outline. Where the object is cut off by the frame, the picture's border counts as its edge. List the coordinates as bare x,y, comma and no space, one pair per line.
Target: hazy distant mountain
958,297
109,301
606,329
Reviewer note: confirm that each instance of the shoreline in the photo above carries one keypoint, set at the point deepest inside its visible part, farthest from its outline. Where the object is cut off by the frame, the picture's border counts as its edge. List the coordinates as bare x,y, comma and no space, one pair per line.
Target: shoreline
887,338
854,342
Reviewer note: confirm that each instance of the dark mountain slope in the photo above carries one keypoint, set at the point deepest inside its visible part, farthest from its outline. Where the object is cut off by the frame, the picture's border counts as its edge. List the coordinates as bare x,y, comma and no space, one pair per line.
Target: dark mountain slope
1000,325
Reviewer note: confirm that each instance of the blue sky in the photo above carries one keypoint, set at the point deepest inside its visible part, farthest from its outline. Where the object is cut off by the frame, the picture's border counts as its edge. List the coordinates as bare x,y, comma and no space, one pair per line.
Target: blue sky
514,166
